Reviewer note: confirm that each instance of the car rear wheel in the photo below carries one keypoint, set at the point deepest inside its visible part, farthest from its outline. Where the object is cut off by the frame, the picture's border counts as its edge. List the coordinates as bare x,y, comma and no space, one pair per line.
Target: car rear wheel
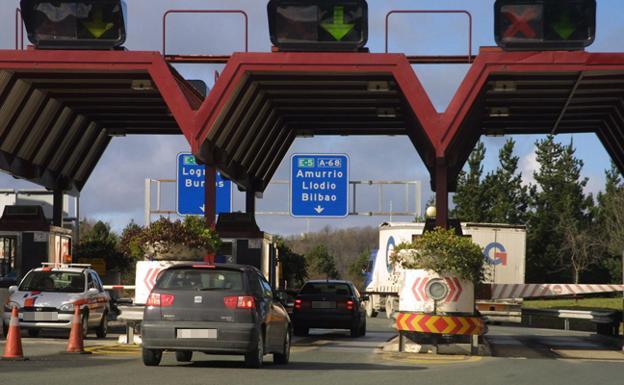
34,333
255,357
355,330
184,355
284,357
301,331
363,328
102,329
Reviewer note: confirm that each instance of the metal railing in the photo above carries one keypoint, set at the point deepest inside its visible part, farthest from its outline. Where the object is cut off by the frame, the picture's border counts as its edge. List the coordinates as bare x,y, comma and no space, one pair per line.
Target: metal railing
433,11
195,11
154,186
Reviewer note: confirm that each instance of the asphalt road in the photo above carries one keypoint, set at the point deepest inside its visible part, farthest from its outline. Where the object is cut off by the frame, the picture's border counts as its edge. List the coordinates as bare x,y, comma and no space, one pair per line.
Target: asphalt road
525,356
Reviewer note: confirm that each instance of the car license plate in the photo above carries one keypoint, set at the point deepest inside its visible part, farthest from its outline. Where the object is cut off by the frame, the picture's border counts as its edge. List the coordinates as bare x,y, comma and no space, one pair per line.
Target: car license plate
40,316
323,305
196,333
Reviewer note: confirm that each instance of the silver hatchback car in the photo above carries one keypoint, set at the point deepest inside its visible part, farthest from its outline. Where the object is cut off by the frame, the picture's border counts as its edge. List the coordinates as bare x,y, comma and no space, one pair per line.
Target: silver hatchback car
215,309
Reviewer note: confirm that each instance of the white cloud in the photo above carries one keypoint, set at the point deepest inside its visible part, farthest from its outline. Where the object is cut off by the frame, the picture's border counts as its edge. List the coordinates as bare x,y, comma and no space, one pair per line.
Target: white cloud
528,164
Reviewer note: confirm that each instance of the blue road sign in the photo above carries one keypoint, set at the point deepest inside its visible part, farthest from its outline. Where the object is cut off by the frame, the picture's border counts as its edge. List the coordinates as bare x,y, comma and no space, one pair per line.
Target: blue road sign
319,185
190,192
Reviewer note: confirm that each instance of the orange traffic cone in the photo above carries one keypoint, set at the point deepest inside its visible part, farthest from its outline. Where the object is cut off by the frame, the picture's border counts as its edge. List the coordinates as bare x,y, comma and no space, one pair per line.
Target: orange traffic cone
75,343
13,347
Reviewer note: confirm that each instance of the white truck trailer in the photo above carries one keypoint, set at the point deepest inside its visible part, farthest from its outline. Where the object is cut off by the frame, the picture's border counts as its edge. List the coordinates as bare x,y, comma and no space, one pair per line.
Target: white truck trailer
504,250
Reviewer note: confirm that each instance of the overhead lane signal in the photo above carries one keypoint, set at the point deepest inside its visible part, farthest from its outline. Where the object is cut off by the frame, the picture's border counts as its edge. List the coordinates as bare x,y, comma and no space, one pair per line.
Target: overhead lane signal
538,25
318,25
75,24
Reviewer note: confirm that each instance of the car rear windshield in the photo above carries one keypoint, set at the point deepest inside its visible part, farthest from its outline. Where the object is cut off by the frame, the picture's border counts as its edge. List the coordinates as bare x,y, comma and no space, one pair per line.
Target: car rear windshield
326,288
56,281
200,279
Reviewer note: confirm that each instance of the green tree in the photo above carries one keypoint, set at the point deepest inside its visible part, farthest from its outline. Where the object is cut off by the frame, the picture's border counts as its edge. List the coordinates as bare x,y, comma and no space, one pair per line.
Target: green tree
323,262
470,204
358,267
557,202
294,266
507,199
610,218
100,242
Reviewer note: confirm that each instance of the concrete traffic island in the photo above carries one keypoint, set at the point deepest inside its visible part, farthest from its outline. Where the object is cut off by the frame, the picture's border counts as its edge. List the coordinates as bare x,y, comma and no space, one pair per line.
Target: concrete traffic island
427,347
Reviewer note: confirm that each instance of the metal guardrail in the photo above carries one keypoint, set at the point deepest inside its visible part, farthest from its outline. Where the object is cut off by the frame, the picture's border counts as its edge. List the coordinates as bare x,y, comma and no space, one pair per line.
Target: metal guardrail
596,316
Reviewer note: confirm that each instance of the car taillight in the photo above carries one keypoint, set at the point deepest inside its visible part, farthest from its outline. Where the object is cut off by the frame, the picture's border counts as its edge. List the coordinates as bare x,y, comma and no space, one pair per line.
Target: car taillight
349,305
297,304
239,302
160,300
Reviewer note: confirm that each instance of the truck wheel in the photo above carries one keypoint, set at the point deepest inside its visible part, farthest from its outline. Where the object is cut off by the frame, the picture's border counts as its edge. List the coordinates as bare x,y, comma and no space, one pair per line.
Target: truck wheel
389,307
184,355
370,310
151,357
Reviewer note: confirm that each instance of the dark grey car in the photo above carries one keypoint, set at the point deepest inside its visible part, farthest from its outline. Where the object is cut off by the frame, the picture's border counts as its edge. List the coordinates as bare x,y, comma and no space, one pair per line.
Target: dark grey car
215,309
329,304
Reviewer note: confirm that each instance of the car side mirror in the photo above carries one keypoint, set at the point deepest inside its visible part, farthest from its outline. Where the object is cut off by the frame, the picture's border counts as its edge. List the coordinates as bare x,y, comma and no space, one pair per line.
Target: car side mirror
280,297
93,291
12,289
364,298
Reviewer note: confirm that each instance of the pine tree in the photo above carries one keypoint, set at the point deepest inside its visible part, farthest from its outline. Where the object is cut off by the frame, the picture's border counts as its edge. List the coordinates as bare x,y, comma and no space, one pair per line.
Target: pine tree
610,223
470,205
507,199
558,202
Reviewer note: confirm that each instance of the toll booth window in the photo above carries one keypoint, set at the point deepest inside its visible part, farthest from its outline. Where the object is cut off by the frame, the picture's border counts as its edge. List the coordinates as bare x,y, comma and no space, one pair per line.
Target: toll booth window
7,258
53,281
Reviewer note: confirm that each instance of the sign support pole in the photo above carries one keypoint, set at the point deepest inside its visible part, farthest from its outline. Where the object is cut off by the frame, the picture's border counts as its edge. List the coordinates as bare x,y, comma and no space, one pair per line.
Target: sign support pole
441,184
57,208
210,186
250,202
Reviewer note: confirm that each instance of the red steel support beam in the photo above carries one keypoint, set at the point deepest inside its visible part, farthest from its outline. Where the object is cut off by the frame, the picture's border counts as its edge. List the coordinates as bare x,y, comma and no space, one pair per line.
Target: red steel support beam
441,183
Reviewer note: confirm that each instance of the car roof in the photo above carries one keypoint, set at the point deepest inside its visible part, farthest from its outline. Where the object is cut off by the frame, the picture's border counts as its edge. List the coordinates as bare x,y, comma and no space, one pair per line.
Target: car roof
231,266
64,269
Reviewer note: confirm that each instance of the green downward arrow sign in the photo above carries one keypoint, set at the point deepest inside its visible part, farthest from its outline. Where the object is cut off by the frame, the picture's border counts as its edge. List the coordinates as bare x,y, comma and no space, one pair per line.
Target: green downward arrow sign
338,29
97,26
564,27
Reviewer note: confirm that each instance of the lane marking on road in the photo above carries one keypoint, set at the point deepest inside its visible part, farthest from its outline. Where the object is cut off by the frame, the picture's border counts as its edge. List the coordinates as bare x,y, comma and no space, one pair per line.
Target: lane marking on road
415,358
115,350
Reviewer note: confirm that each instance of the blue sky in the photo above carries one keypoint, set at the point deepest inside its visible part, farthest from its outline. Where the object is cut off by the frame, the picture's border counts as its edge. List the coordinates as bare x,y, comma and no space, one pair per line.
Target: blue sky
115,192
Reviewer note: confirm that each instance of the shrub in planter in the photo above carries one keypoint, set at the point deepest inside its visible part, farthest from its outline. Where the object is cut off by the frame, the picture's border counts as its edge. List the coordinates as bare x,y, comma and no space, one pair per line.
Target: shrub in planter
166,240
445,253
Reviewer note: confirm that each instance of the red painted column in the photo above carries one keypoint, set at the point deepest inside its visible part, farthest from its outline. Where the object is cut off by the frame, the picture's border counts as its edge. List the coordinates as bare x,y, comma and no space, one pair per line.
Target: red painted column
210,205
441,184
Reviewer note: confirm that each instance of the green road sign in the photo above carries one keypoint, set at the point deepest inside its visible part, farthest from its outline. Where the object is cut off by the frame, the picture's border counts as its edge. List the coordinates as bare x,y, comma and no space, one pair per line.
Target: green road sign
338,29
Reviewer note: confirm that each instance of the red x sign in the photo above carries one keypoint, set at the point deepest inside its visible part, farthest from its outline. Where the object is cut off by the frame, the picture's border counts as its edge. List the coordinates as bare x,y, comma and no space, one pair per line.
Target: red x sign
520,22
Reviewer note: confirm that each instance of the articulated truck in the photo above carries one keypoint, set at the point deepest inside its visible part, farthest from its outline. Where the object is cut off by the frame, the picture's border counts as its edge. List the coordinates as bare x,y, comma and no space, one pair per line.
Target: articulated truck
503,245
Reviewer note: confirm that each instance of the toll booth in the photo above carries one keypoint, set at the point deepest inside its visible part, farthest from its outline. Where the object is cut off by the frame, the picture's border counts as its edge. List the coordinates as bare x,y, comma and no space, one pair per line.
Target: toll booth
27,240
243,243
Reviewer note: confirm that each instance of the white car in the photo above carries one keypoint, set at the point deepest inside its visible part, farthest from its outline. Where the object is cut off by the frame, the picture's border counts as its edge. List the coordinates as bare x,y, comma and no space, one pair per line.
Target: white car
47,295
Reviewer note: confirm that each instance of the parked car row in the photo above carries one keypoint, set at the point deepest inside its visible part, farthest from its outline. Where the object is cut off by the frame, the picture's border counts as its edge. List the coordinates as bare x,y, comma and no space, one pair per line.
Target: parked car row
194,307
